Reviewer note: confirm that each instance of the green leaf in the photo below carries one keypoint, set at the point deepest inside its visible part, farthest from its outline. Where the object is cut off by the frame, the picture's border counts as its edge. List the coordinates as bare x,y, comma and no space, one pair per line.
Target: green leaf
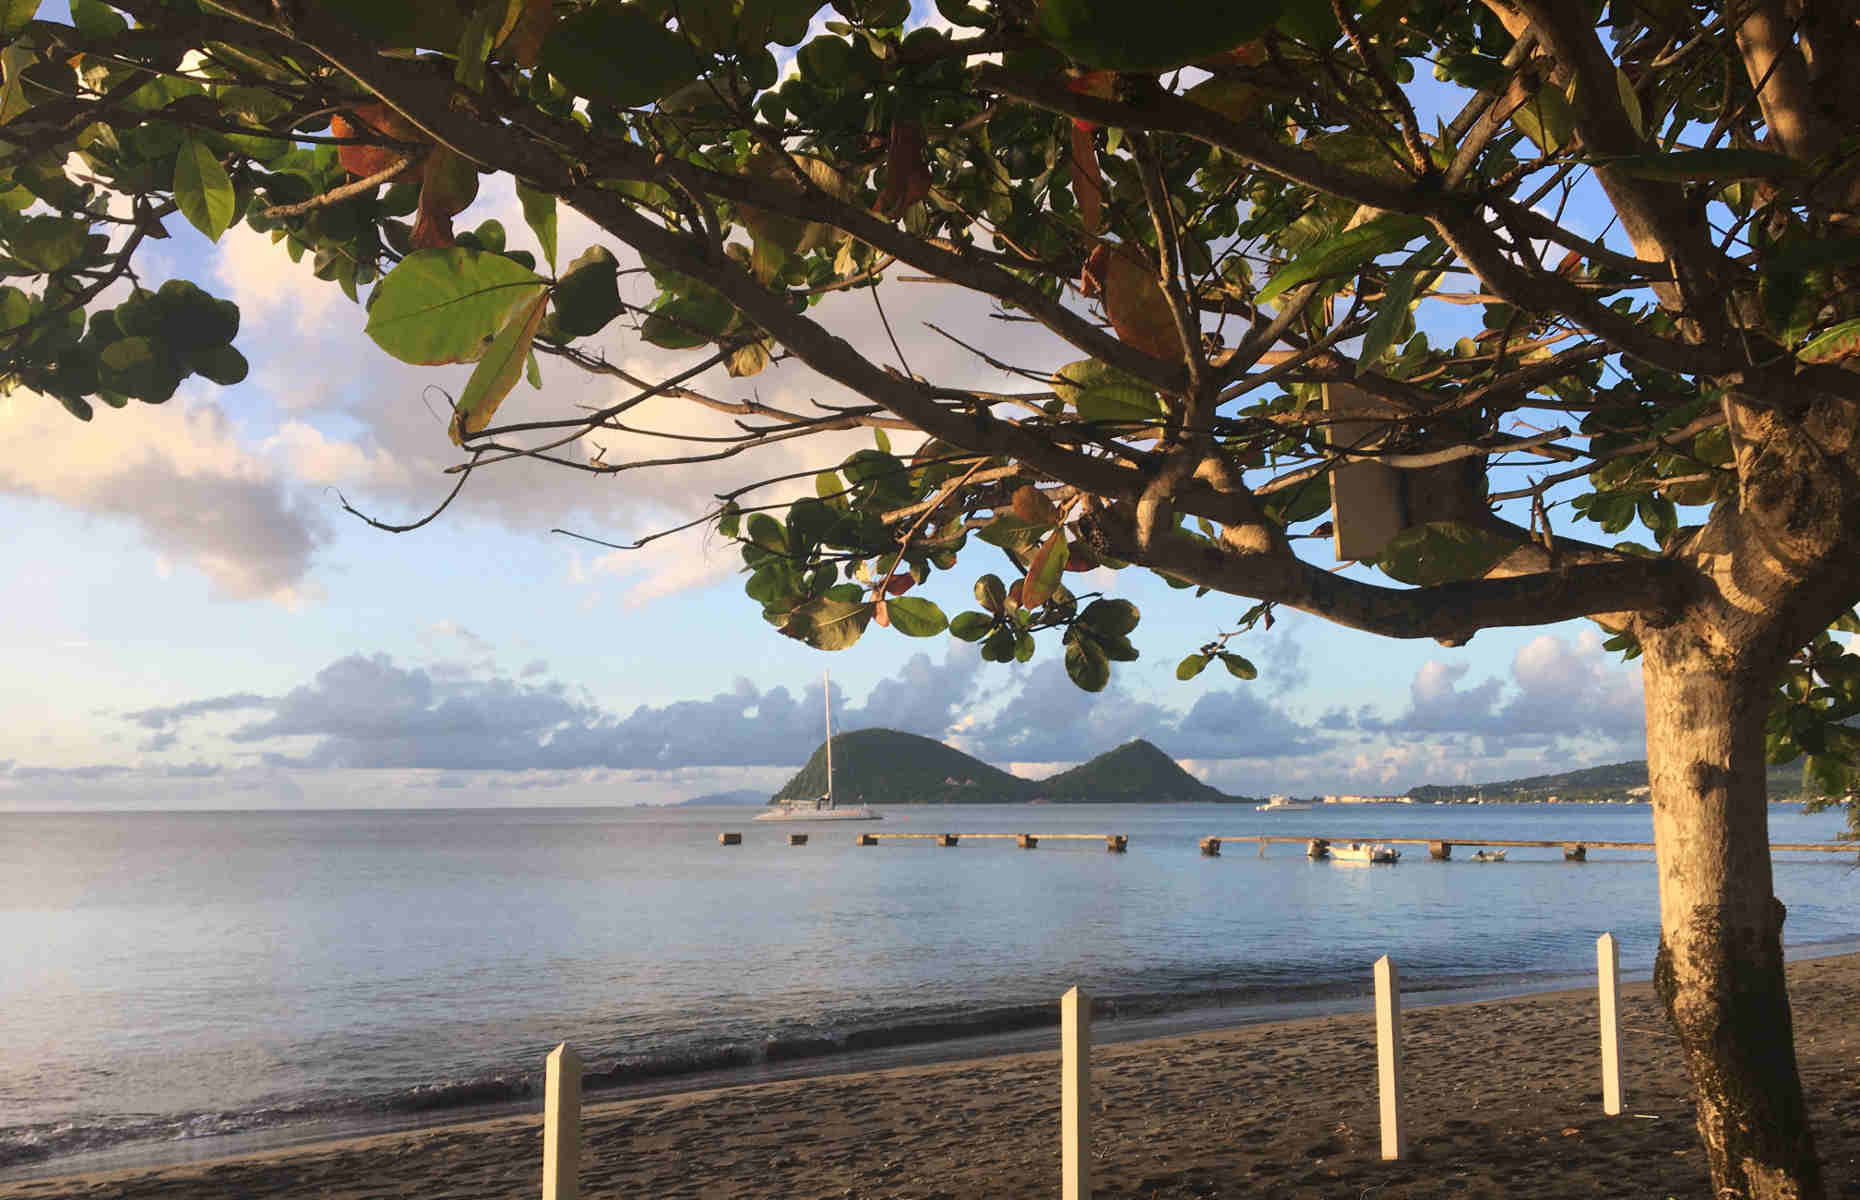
47,244
1101,392
1112,618
746,360
539,213
971,626
1442,552
810,523
93,18
991,593
1044,570
1087,665
881,439
1842,341
1238,667
827,484
914,616
587,296
1023,647
497,372
443,306
221,364
1797,255
1393,311
828,624
765,531
474,44
1346,253
1000,646
686,322
15,15
1151,37
618,54
1011,532
1192,666
1546,119
202,189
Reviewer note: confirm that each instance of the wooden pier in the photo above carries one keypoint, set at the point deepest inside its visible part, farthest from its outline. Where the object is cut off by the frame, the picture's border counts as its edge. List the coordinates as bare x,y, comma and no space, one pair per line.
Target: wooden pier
1442,848
1116,843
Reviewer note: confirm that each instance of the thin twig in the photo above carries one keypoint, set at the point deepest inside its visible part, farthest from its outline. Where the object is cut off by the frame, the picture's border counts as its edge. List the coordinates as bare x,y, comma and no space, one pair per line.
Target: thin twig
337,195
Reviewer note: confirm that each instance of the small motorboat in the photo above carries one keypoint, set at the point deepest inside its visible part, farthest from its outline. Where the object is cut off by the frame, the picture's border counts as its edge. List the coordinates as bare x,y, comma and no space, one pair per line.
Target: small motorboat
1370,852
1489,856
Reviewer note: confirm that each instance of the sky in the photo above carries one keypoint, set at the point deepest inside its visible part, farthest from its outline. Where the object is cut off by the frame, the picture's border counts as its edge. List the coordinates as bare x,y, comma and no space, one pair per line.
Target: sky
193,621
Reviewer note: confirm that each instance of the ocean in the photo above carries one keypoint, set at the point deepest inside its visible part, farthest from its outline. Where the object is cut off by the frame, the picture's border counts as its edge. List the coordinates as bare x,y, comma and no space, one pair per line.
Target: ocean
176,986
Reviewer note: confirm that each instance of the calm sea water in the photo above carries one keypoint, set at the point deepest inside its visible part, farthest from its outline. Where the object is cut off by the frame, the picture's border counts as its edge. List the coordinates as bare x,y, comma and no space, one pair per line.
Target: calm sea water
172,982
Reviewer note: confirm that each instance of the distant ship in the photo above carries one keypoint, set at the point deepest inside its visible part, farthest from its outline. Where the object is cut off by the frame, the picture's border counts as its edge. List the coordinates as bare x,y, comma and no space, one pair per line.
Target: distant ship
821,808
1282,804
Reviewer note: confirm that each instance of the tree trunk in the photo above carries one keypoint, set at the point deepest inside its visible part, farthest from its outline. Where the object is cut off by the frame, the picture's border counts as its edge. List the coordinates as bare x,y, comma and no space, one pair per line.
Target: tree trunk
1720,967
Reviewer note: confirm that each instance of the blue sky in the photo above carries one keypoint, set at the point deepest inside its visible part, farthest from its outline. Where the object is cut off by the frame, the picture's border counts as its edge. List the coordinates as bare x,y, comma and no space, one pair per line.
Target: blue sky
193,620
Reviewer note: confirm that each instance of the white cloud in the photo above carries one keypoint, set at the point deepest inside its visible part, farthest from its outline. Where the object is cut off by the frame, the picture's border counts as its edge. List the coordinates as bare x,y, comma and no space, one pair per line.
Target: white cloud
178,474
261,278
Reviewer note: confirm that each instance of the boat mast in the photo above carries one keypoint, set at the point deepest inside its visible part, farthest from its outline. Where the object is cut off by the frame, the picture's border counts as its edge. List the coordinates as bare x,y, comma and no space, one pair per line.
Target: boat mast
826,695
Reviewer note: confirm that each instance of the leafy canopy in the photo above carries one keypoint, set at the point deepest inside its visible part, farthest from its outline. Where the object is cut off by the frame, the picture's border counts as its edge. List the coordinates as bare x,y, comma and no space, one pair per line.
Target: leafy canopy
1460,288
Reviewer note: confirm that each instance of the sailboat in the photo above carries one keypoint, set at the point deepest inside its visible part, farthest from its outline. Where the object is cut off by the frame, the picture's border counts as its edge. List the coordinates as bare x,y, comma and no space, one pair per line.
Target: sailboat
821,808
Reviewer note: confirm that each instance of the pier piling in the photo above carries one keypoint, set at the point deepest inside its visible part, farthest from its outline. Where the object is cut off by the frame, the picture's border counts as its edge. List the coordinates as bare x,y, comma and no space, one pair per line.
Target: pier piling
1075,1096
1608,975
562,1125
729,839
1116,843
1026,841
1388,1057
1317,848
868,839
1211,846
1441,851
1575,852
797,839
948,839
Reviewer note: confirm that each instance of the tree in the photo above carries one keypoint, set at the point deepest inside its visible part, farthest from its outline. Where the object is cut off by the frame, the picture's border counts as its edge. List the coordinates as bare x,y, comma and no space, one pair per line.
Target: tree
1249,226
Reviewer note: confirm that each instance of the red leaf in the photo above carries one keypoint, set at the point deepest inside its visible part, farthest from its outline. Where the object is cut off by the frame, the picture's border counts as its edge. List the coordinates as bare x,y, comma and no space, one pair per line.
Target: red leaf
1102,84
1133,299
372,120
1031,505
1091,278
447,185
1246,54
1087,180
907,178
897,585
1044,569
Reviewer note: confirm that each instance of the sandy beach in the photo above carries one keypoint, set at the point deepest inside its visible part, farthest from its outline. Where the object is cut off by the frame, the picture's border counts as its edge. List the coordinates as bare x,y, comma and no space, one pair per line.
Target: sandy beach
1503,1100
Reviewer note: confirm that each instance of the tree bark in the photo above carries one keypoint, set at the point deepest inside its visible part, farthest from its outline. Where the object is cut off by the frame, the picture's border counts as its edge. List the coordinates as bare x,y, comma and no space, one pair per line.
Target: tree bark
1720,969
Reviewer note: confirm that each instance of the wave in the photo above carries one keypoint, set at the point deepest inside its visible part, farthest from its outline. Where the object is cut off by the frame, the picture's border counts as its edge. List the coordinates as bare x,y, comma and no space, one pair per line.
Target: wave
834,1034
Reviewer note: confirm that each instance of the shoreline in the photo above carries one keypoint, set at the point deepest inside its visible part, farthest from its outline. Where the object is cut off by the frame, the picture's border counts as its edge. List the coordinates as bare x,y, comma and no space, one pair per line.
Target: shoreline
1503,1099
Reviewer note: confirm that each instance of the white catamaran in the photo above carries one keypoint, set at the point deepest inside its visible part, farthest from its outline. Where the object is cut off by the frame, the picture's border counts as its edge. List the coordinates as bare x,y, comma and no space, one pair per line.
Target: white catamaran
821,808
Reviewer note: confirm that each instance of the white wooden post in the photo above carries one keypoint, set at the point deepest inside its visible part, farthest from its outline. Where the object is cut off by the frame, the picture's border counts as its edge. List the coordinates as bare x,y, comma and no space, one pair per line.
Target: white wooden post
1608,970
1075,1096
562,1125
1388,1056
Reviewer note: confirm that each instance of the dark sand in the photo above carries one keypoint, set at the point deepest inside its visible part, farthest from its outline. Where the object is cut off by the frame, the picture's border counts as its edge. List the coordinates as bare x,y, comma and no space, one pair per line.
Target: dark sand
1503,1100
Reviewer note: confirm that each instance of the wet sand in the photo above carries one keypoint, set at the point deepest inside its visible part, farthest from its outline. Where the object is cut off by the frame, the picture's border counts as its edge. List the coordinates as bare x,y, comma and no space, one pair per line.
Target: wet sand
1503,1099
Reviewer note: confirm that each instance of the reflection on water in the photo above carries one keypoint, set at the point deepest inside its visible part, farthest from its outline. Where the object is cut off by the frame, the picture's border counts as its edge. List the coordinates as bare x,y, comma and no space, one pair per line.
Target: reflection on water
176,974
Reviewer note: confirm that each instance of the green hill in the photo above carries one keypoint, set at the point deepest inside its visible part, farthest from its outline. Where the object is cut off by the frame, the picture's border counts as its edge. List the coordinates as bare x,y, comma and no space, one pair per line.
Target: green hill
883,766
1134,773
1612,781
